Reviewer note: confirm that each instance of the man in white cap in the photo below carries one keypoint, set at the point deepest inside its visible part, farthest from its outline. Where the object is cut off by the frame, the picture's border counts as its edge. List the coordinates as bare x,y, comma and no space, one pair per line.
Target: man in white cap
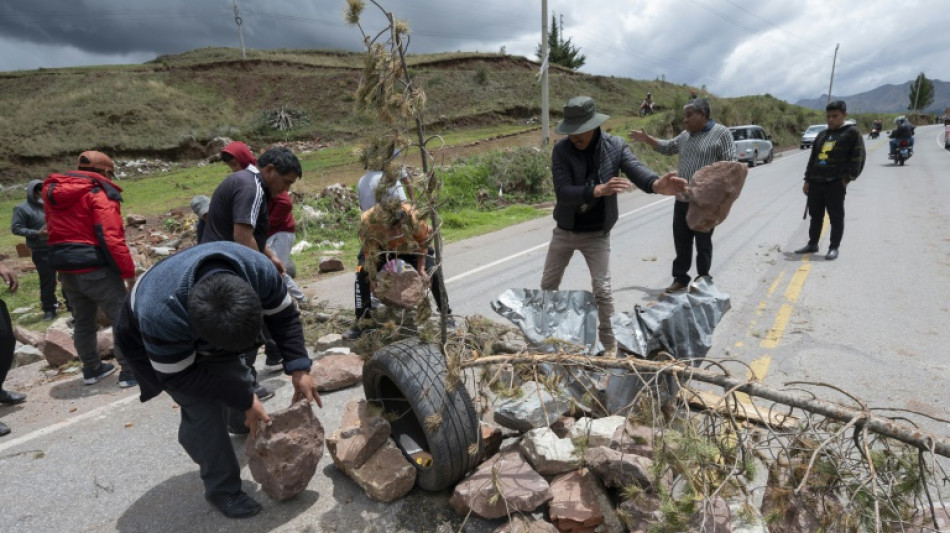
586,169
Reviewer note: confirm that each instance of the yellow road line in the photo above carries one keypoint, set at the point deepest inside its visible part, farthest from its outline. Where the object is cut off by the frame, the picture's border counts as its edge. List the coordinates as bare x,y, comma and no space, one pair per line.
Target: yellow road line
782,318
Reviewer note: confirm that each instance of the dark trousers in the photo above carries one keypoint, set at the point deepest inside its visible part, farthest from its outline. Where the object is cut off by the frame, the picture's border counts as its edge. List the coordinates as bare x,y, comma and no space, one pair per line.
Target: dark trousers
203,432
47,280
683,238
7,342
363,297
88,293
826,197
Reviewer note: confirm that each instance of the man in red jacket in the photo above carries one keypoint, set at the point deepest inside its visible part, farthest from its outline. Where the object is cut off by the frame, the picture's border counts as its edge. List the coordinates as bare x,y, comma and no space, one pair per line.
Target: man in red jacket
87,247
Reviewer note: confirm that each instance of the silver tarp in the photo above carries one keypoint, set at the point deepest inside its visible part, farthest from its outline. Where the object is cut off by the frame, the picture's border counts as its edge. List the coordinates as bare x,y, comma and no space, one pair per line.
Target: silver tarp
681,324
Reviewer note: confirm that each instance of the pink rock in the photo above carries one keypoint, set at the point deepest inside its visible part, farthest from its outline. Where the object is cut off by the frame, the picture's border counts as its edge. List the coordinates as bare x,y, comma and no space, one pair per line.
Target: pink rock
28,336
640,514
503,485
360,435
58,348
106,343
387,475
491,441
283,457
335,372
404,290
633,438
575,506
712,191
618,469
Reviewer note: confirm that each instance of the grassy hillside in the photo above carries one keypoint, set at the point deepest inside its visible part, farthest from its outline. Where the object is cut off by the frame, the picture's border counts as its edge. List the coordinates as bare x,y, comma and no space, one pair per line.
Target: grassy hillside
168,106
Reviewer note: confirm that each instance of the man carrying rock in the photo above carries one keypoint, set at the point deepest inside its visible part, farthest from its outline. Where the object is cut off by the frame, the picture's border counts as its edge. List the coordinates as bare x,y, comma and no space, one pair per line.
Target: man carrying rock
184,329
585,167
87,247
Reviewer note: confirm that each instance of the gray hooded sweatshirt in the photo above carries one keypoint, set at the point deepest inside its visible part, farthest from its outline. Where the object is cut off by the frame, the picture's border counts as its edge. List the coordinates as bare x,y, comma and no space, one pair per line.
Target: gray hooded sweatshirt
29,218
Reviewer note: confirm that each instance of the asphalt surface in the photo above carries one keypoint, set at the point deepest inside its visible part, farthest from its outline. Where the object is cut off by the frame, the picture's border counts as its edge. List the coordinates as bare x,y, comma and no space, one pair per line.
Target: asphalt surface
873,322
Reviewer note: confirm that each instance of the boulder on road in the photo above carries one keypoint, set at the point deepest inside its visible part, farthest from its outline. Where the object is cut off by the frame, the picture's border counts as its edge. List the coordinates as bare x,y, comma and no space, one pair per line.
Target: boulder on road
387,475
533,407
335,372
58,347
283,457
361,433
503,485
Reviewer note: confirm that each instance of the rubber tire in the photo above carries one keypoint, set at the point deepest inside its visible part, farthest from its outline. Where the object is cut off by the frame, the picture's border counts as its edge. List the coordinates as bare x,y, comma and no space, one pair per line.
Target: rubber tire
770,157
408,377
754,160
900,162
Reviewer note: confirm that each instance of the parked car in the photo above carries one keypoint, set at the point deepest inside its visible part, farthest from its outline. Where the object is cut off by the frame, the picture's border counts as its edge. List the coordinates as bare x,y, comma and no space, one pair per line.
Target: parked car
808,138
752,144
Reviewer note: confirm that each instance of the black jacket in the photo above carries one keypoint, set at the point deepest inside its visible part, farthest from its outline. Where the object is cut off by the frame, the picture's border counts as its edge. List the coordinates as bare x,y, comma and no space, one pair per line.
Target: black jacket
29,219
573,189
837,154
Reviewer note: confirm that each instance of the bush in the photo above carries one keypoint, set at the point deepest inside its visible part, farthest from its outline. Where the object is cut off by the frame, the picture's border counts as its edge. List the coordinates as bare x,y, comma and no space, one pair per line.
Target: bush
518,175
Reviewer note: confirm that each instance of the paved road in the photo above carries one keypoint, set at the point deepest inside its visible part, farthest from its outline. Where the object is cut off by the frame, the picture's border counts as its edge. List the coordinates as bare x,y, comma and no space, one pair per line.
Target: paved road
872,322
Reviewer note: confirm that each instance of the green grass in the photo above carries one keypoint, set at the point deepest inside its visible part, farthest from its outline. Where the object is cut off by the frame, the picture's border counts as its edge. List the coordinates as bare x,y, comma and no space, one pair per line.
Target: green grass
465,223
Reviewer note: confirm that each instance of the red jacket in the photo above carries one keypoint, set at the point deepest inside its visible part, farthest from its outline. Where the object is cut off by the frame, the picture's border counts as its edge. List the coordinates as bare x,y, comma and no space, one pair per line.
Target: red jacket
85,224
280,212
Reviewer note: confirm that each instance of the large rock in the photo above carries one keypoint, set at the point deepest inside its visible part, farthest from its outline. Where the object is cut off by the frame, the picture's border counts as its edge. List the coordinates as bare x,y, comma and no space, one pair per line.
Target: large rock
641,513
387,475
533,407
491,440
361,434
28,336
596,431
58,347
283,457
580,504
633,438
26,354
330,264
403,289
712,190
503,485
711,517
548,454
618,469
336,372
521,524
330,340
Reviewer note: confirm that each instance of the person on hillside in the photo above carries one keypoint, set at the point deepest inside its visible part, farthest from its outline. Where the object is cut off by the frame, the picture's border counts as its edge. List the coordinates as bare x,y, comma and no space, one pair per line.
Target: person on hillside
701,143
837,158
199,206
646,108
238,213
7,344
185,328
29,220
87,247
367,190
585,167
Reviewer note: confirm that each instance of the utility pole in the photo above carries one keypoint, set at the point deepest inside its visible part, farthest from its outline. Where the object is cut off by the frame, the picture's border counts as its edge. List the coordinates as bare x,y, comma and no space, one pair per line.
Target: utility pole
545,119
238,20
832,82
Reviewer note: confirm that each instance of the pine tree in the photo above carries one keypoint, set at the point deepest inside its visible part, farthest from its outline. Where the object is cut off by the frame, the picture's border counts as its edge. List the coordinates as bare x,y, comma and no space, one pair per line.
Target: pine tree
921,93
561,51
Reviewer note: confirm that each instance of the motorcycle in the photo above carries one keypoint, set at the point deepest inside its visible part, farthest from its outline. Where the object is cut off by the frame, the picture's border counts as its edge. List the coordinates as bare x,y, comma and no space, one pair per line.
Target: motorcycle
903,152
874,133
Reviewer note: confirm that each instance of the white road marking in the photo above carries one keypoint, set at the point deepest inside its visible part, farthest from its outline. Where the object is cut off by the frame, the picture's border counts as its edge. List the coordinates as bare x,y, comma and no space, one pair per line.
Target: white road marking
7,444
497,262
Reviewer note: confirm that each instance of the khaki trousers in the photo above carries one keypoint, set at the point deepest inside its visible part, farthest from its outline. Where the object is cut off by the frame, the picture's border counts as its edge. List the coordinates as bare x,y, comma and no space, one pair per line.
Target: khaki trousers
595,247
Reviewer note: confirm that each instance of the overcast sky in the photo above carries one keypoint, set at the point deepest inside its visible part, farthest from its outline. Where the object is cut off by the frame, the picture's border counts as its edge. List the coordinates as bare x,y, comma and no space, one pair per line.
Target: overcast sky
733,47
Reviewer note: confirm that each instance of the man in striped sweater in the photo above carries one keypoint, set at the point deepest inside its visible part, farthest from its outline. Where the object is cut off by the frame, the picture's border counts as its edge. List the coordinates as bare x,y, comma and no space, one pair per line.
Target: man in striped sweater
184,329
702,143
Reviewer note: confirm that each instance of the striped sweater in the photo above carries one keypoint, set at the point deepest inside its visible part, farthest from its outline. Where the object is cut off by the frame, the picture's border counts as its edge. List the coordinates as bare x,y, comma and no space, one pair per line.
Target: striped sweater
697,150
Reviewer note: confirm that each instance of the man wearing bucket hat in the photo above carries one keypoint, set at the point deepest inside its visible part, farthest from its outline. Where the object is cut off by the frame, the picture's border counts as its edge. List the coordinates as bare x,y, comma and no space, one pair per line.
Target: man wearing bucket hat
585,168
701,143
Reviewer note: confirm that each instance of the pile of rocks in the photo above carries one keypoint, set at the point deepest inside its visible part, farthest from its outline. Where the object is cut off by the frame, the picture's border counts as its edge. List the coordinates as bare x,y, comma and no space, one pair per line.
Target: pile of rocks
55,345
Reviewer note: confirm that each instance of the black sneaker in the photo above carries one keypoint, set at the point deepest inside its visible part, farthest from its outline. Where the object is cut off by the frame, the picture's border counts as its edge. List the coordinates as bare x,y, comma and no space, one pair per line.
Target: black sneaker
127,379
4,430
238,505
91,377
262,392
49,315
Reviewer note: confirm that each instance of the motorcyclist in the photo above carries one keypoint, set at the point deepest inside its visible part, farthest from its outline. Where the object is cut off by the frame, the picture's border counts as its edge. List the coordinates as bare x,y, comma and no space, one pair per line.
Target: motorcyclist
904,130
877,125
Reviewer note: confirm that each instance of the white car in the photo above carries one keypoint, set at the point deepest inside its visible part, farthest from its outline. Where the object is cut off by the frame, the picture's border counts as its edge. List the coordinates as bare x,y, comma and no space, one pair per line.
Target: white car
752,144
808,138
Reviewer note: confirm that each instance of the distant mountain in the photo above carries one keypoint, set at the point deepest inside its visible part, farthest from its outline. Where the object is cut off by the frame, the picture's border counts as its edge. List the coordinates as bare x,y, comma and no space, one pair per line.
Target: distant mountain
885,99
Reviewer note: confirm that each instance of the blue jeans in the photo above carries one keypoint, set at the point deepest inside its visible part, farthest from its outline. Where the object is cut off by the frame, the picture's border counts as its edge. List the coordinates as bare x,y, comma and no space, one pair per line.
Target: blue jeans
894,142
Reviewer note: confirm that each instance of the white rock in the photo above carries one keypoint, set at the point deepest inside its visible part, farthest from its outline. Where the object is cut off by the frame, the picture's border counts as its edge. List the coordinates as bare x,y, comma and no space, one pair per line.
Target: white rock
597,431
548,454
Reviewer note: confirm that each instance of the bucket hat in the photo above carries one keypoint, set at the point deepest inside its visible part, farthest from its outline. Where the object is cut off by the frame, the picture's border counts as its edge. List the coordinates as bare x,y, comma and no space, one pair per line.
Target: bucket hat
580,115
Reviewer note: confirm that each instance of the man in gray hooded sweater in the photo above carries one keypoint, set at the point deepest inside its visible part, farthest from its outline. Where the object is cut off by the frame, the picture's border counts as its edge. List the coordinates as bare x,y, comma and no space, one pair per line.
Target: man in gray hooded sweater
29,221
